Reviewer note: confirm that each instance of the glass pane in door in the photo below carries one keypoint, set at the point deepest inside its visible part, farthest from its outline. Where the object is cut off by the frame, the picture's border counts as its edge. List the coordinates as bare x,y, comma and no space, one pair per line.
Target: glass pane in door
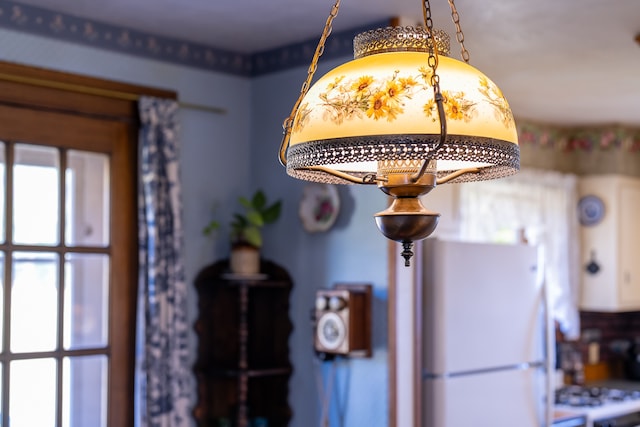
32,391
3,185
1,304
34,301
86,295
87,199
35,195
84,394
1,393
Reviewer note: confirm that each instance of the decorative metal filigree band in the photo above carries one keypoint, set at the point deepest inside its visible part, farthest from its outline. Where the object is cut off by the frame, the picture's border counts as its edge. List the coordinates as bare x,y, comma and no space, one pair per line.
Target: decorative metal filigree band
410,166
504,157
398,39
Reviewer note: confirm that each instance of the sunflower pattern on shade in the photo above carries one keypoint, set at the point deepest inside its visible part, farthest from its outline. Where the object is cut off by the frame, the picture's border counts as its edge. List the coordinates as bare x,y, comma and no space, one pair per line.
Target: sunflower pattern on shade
456,107
384,99
497,100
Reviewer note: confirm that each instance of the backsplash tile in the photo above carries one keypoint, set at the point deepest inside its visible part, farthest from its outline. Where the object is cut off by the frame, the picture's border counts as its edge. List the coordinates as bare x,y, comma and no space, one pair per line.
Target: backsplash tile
614,328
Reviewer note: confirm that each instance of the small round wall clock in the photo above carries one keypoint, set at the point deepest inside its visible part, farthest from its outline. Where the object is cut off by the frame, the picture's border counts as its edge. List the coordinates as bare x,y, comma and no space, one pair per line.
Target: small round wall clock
590,210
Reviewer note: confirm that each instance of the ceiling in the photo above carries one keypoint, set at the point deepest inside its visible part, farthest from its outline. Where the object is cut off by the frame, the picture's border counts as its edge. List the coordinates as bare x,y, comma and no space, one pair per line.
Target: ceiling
566,62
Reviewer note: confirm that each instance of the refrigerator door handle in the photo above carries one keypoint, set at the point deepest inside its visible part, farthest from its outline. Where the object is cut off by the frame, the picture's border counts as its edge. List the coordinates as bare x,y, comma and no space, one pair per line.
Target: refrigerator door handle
518,367
549,335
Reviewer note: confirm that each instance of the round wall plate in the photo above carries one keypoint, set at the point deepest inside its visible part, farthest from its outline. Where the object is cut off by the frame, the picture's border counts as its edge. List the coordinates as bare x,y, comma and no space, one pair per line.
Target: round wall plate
590,210
319,207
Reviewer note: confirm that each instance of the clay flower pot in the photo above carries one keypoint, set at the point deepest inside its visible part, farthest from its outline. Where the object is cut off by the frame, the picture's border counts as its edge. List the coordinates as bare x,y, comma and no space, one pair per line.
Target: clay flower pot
244,260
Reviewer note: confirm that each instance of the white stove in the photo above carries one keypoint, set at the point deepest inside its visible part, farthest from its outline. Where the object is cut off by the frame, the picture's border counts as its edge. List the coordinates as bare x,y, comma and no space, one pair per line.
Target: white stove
603,406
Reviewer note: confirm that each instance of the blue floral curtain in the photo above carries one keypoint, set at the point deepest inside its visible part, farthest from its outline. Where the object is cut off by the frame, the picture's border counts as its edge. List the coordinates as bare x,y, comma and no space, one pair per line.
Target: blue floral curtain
162,375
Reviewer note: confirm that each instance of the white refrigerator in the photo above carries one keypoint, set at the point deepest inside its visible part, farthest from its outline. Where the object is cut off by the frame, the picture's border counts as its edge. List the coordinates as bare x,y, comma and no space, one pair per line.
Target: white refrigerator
485,353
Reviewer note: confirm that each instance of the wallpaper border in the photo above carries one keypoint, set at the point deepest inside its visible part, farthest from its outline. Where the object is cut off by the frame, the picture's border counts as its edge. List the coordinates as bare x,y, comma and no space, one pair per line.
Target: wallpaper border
60,26
569,139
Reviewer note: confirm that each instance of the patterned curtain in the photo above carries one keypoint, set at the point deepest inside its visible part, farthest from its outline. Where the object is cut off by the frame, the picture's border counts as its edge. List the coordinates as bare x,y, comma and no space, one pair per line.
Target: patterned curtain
162,377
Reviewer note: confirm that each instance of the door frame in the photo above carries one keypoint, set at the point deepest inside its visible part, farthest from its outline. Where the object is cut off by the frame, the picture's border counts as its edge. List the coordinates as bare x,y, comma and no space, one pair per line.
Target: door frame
95,107
405,337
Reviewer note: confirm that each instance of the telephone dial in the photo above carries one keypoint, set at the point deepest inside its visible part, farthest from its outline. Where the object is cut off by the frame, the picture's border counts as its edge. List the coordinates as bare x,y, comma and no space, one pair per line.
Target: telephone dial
343,320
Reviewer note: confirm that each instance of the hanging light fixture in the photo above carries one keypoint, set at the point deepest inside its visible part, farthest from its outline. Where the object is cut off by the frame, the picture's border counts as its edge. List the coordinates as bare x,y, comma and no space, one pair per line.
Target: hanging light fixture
403,116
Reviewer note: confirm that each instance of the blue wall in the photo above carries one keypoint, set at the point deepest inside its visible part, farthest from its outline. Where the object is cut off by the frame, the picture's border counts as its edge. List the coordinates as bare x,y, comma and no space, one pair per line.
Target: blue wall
224,156
352,251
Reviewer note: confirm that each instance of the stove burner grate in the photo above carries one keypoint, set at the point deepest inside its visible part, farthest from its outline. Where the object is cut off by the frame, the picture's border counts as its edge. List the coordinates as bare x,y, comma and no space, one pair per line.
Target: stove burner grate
578,396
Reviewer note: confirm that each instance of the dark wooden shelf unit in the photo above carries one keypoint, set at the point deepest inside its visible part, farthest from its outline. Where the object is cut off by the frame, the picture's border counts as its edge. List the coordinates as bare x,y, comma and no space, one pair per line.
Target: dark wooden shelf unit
243,327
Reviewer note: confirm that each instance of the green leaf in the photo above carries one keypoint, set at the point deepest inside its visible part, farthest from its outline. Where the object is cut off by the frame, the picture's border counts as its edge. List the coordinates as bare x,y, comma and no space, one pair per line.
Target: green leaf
210,228
246,228
245,202
272,213
239,219
259,200
238,223
255,218
252,236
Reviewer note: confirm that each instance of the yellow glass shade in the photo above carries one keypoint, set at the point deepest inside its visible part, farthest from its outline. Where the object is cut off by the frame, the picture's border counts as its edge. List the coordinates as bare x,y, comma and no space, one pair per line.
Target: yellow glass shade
381,107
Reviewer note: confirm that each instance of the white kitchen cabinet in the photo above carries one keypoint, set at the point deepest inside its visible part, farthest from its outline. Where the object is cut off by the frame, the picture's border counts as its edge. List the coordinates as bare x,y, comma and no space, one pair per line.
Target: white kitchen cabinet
611,245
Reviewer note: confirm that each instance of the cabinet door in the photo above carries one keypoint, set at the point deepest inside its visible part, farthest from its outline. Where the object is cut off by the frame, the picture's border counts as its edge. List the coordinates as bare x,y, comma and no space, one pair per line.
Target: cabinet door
629,247
600,244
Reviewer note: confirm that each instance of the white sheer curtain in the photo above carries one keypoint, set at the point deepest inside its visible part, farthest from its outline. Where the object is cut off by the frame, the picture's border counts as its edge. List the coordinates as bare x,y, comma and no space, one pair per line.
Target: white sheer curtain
542,205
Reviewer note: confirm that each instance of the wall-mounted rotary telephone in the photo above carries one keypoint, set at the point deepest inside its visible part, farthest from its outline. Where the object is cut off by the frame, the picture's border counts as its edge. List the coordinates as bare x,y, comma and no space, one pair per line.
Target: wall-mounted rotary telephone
343,320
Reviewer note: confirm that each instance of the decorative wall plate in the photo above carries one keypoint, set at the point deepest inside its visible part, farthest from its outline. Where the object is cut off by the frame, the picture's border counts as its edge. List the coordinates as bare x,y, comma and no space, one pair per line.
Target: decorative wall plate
590,210
319,207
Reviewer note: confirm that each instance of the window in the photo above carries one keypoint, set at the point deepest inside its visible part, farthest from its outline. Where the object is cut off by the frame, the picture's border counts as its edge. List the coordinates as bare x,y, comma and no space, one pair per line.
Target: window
68,251
62,282
538,206
45,316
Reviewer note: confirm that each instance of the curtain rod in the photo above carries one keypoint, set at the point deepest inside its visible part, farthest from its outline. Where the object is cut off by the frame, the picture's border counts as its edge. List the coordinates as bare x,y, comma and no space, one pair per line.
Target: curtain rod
107,93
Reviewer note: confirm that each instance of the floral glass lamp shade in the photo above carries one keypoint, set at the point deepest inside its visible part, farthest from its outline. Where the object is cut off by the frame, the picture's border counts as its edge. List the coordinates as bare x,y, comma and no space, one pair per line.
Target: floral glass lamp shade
404,116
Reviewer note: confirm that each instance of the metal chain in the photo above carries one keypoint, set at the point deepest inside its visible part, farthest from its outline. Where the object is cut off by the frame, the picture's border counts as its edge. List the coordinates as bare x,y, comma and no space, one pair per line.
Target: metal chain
288,123
437,95
459,34
426,13
433,53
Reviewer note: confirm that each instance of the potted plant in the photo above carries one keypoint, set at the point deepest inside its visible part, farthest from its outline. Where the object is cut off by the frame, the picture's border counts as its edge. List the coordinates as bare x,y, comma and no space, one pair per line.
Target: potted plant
246,232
